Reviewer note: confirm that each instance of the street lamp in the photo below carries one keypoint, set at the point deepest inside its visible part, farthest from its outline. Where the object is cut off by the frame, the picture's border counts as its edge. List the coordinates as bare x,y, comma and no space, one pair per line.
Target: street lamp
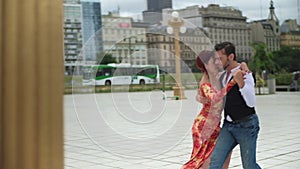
176,25
129,46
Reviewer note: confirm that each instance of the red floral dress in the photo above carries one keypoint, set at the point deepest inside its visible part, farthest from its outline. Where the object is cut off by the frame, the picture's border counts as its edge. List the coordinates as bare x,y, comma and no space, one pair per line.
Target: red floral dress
206,127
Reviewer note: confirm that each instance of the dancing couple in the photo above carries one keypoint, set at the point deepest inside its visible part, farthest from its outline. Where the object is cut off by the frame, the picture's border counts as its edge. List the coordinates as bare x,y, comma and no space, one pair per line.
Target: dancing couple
234,92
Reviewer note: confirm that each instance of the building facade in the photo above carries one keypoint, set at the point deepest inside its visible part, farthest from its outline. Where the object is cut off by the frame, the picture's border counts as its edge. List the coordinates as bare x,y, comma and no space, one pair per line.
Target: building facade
72,35
291,39
153,14
289,25
91,26
267,31
82,38
126,43
221,24
161,48
290,34
228,24
158,5
191,15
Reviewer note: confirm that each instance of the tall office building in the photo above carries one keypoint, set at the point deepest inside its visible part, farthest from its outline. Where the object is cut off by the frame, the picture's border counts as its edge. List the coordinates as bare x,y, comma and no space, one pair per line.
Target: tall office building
82,38
91,27
72,34
158,5
153,14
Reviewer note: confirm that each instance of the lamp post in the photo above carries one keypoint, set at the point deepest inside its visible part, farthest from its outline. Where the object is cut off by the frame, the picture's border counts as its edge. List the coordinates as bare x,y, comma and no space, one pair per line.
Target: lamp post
129,46
176,25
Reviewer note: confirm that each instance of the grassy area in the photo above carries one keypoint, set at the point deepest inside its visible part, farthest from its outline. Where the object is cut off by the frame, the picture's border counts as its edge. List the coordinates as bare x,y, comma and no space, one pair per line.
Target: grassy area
283,78
189,81
70,80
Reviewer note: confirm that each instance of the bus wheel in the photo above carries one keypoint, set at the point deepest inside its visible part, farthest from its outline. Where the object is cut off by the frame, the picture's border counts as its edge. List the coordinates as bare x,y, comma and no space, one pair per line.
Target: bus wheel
107,83
142,82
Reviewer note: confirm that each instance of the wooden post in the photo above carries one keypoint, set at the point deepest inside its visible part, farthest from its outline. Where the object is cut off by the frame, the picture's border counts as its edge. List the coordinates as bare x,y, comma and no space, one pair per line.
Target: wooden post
31,85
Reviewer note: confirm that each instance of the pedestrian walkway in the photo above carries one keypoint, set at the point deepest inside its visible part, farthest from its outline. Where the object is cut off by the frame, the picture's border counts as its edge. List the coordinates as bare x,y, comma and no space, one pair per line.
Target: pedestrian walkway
141,131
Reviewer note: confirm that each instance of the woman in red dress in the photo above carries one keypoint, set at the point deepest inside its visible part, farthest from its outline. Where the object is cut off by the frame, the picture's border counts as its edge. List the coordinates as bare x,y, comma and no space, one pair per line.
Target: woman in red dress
206,126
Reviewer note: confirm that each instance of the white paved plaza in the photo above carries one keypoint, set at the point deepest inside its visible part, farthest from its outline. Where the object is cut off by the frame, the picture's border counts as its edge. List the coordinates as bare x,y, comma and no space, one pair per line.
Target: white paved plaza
140,130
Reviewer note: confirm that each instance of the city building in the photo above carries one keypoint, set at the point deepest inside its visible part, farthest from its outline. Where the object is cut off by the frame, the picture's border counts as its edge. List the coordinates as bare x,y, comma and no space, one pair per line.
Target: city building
221,24
153,14
82,38
158,5
161,48
126,43
191,15
267,31
91,29
289,25
72,35
291,39
290,34
228,24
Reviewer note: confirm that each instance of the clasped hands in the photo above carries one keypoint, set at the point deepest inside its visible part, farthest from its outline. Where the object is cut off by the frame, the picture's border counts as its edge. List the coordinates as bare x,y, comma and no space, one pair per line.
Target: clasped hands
238,77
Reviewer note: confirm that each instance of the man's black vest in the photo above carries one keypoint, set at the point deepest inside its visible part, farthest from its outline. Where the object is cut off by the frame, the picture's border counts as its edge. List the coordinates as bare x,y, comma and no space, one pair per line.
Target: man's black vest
235,105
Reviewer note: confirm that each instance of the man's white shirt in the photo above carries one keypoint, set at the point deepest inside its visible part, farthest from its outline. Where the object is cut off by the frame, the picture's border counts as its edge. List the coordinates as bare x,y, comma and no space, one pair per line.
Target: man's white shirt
247,92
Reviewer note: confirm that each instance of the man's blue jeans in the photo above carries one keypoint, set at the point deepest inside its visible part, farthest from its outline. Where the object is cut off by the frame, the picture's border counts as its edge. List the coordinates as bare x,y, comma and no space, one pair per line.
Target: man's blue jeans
242,133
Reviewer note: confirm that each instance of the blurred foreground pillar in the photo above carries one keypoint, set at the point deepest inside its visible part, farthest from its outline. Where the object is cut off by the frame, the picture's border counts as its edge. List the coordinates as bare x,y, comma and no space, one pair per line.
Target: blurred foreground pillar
31,84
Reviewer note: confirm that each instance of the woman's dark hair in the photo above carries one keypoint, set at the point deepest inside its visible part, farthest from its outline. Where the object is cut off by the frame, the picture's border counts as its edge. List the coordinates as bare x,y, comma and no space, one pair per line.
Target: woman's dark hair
228,47
203,58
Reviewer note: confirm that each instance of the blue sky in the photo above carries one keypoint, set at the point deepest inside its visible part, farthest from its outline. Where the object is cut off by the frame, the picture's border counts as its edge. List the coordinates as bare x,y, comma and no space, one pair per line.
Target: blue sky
252,9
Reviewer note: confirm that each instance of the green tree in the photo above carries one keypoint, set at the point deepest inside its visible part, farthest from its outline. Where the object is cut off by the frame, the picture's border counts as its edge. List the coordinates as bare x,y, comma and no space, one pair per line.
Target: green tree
262,60
287,59
105,58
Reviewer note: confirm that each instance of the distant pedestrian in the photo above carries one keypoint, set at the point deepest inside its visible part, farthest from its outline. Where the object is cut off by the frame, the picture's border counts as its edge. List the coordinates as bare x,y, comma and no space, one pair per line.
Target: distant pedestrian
295,80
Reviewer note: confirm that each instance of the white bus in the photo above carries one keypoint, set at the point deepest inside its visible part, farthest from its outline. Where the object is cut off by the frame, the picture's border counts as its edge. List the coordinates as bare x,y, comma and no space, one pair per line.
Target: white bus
121,74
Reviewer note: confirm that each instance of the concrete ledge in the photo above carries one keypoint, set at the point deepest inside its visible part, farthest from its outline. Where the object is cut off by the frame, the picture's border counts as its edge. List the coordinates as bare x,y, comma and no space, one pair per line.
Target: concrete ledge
283,88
